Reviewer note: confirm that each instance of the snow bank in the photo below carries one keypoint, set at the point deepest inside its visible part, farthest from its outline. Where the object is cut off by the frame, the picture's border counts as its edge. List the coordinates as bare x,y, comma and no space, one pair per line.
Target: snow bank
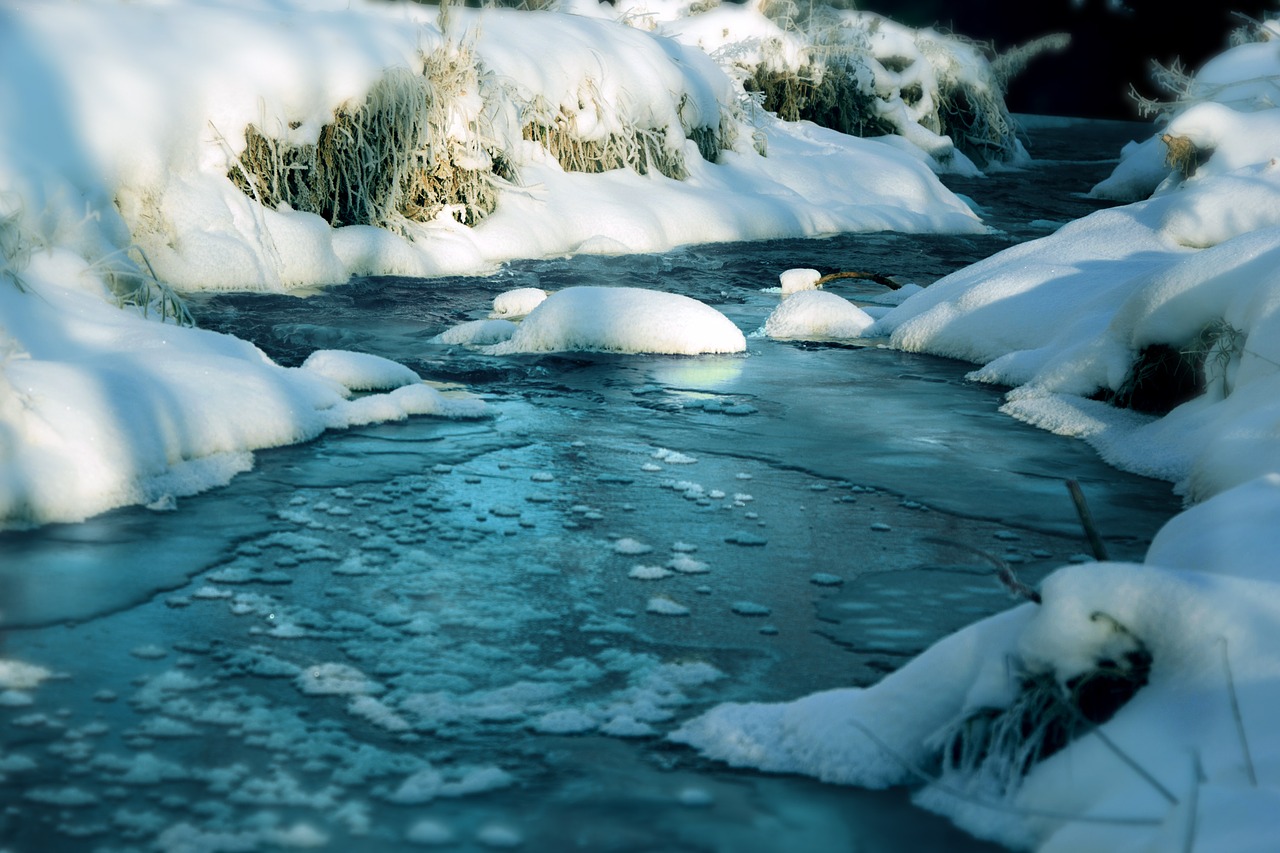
1206,609
1226,112
1127,708
101,406
198,141
1148,330
859,73
623,319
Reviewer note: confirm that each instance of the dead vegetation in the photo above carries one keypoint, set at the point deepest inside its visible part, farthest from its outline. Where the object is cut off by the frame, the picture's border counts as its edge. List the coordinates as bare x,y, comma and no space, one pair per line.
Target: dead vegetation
1164,376
393,159
955,89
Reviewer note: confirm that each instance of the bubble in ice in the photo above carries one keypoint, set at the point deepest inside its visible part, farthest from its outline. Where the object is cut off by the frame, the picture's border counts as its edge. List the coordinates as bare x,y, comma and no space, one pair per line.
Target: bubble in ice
651,467
542,477
695,797
881,527
685,564
663,606
430,833
648,573
750,608
499,836
630,547
673,457
335,679
825,579
742,537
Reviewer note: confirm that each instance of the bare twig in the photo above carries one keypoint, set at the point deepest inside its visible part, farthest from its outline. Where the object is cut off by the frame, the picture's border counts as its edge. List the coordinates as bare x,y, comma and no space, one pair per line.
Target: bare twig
1235,713
1193,804
1096,730
1003,572
1086,521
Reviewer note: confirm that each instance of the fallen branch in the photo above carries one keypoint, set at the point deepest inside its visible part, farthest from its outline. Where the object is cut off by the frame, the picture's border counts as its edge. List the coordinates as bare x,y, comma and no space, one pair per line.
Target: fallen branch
871,276
1003,572
1086,521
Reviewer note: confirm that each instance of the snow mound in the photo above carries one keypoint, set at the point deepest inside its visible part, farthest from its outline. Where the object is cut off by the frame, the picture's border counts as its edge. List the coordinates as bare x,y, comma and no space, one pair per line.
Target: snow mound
1223,117
626,320
514,304
357,371
798,279
816,315
477,333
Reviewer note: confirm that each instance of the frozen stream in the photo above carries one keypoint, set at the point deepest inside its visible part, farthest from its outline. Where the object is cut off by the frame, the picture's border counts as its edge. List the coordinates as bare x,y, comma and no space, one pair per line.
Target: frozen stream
478,632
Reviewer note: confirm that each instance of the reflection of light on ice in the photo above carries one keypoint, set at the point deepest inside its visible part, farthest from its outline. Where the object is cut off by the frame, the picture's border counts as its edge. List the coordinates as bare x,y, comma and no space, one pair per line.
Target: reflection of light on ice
706,373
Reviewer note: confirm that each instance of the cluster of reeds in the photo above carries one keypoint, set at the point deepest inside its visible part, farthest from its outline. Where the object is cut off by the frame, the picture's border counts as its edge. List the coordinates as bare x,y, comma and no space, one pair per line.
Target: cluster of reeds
993,749
395,158
126,272
837,86
1164,376
626,145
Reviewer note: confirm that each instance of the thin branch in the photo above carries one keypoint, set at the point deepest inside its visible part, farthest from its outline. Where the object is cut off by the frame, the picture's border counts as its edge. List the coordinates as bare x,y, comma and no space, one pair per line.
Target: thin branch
1003,572
1086,521
1235,713
871,276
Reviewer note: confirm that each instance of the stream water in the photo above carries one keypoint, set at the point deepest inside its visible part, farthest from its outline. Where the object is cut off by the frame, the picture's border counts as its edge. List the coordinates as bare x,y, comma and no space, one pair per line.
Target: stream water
477,633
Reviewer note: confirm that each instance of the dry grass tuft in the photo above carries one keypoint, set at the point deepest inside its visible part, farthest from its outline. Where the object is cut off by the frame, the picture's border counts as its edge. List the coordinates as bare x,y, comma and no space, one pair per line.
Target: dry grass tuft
390,160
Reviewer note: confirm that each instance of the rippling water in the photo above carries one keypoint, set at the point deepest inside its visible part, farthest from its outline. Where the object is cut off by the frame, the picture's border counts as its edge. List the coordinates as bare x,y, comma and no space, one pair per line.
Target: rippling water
480,631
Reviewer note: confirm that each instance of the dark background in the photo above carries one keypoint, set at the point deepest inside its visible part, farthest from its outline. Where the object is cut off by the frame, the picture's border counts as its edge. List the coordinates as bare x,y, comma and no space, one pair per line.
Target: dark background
1111,48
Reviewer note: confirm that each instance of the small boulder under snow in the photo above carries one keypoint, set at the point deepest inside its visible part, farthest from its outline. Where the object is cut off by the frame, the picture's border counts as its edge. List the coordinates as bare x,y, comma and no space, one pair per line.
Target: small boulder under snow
358,371
816,315
623,319
477,333
796,280
517,303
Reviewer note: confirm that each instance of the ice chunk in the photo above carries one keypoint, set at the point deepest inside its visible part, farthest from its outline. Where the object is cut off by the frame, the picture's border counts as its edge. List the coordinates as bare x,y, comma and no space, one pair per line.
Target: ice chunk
335,679
631,547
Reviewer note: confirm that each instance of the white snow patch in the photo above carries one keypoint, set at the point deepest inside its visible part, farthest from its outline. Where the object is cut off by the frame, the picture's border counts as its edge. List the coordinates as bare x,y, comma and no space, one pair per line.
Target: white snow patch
623,319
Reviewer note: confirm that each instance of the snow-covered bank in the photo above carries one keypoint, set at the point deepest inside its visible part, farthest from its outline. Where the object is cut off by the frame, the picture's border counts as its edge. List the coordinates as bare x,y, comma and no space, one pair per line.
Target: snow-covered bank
1120,317
102,407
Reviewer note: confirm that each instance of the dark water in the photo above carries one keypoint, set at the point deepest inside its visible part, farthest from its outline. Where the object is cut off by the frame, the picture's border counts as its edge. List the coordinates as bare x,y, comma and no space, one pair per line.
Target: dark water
439,622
